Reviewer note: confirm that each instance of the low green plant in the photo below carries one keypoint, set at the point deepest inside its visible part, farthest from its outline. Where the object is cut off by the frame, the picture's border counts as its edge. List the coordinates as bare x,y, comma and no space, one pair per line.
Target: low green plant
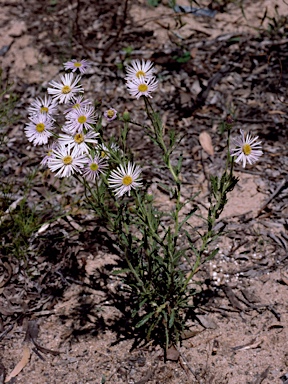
161,250
20,215
277,24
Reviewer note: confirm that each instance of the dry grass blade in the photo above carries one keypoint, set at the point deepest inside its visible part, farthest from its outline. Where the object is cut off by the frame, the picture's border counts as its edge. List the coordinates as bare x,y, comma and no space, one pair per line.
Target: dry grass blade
12,207
262,376
32,334
253,344
22,363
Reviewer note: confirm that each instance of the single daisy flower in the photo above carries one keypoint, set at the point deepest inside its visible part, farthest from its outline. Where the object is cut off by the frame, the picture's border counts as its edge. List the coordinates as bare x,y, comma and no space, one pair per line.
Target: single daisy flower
81,65
246,148
39,129
66,161
142,86
66,89
49,153
80,118
139,69
79,140
104,151
110,114
46,106
95,166
77,103
125,178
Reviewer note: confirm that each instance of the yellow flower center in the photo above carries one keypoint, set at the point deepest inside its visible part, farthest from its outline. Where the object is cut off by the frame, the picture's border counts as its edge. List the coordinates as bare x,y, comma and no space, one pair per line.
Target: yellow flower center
79,138
142,87
40,127
94,167
77,105
67,160
140,73
82,119
77,64
66,89
110,113
103,154
44,110
246,149
127,180
50,153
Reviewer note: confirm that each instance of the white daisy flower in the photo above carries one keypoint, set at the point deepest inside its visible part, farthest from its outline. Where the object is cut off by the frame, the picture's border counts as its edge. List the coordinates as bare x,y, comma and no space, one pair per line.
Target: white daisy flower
124,178
142,86
139,69
246,148
46,106
79,140
110,114
81,65
80,118
77,103
67,89
39,129
66,161
95,166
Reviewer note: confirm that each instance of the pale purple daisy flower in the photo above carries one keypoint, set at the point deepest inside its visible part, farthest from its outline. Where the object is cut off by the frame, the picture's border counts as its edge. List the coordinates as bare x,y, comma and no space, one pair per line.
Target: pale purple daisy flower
246,148
77,103
79,140
139,69
81,65
95,166
39,129
142,87
46,106
66,161
110,114
80,118
104,151
66,89
125,178
49,153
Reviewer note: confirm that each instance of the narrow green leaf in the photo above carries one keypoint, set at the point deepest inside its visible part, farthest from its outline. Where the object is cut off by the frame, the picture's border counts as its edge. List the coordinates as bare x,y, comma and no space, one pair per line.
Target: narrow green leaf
119,271
172,318
144,320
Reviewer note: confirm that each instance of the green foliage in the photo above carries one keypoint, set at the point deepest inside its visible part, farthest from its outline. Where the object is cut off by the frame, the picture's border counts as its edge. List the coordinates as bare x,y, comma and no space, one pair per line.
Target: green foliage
277,24
17,228
153,3
156,245
184,58
7,104
19,217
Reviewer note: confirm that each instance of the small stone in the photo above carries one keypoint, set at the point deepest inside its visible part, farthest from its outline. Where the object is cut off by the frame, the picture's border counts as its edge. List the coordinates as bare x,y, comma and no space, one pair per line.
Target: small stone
17,29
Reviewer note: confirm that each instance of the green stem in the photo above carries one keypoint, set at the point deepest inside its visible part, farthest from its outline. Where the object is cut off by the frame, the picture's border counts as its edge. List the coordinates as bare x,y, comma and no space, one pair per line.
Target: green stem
140,282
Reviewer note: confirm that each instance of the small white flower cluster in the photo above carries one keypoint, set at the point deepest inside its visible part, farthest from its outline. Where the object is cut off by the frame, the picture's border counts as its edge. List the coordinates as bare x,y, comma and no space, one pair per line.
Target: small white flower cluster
140,78
76,150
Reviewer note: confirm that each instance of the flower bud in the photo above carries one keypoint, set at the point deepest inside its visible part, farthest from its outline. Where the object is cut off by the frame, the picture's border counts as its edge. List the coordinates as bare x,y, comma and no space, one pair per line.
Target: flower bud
126,116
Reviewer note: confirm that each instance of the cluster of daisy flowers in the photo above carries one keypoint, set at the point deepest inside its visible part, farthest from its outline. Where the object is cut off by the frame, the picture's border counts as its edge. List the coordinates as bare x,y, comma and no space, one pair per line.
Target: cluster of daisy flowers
140,79
76,148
